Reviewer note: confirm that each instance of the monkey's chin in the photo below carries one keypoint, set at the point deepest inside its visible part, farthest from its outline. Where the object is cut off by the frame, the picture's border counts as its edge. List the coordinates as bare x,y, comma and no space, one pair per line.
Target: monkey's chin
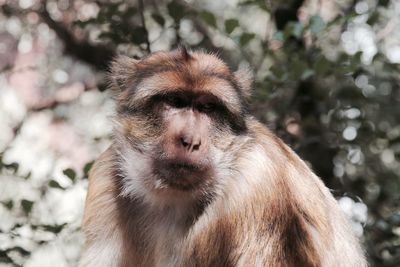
180,175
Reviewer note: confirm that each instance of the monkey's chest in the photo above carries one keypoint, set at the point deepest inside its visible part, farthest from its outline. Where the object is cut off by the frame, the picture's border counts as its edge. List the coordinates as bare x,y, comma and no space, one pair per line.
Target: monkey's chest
168,246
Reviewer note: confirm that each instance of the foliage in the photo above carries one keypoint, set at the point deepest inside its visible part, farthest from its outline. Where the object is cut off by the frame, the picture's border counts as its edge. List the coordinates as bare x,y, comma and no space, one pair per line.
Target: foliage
336,105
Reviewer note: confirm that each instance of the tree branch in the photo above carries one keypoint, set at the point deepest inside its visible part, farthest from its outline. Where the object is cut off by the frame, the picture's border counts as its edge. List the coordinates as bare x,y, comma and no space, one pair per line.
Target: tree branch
98,56
146,32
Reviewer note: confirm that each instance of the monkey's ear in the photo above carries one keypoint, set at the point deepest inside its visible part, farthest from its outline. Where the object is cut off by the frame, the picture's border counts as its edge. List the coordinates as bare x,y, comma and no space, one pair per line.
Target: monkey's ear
122,68
244,77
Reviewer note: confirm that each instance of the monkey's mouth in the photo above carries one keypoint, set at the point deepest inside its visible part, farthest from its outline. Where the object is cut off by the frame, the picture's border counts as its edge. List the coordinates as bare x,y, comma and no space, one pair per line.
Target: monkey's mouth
185,167
180,175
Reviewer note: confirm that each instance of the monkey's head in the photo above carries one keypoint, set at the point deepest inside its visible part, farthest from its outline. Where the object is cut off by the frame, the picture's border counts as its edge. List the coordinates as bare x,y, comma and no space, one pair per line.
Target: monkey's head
177,114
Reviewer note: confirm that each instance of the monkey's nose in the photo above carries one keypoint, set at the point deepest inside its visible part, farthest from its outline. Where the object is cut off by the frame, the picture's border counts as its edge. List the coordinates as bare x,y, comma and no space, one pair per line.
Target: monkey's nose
189,143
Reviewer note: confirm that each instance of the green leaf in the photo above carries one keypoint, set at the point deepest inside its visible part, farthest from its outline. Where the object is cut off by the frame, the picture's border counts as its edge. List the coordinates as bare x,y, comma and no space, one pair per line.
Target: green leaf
87,168
53,228
70,173
138,35
83,24
4,258
129,13
322,65
278,36
317,24
383,3
108,35
373,18
55,184
209,18
294,29
18,249
159,19
248,2
8,204
356,59
28,175
245,38
27,205
278,71
261,4
176,10
297,67
12,166
307,74
230,25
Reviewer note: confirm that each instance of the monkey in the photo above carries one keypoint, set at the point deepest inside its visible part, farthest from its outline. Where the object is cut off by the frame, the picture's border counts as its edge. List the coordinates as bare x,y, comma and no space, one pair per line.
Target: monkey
191,178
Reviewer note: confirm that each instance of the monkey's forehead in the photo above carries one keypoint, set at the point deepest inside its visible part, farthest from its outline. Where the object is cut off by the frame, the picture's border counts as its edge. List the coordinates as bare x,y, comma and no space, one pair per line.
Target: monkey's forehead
195,71
193,61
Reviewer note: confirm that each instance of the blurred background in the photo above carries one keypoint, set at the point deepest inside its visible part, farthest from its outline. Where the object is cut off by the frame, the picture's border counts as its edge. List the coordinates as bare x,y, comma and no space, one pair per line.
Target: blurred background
327,82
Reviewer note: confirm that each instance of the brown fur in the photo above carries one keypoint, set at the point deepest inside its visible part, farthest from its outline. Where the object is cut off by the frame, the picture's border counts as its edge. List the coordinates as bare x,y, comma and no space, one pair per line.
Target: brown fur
261,206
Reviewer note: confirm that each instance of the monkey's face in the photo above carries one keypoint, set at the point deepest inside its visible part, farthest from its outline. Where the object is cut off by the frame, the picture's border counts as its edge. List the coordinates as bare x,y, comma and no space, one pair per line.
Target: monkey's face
177,116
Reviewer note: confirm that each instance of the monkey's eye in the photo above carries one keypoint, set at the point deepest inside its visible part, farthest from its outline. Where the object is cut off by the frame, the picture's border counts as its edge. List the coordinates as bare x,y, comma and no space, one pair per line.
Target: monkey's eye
177,101
207,107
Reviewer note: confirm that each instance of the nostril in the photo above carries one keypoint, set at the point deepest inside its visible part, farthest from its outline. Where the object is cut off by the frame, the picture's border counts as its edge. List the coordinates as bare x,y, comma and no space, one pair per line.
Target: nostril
189,144
184,143
196,146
